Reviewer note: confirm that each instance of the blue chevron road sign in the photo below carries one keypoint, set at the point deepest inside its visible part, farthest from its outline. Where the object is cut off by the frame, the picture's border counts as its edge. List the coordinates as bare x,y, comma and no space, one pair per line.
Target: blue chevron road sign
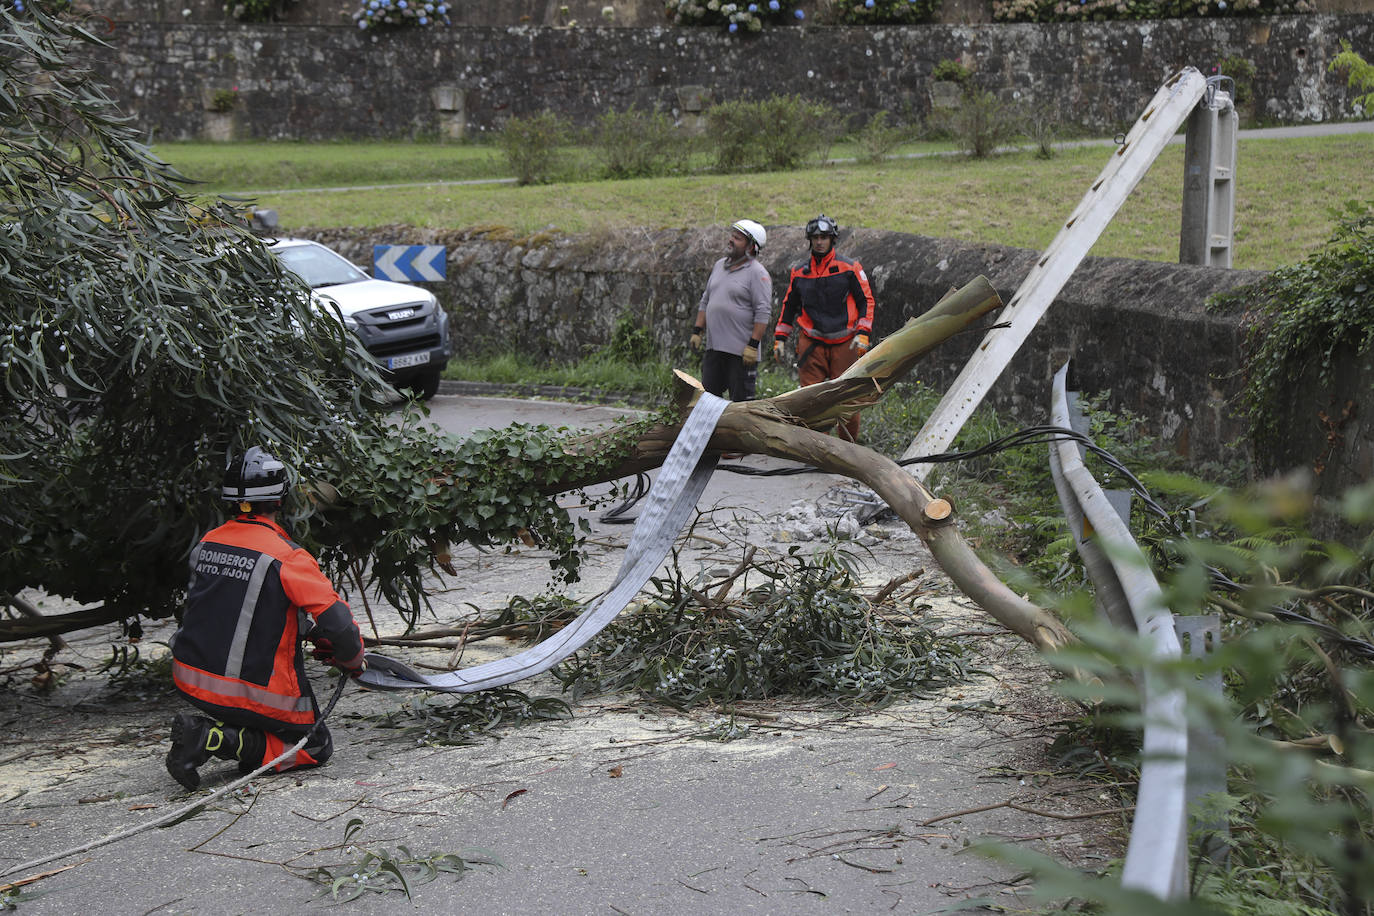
409,263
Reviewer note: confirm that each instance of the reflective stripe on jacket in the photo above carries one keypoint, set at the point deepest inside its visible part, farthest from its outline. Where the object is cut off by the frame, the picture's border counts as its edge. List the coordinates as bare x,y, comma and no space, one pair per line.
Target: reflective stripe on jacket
829,299
252,591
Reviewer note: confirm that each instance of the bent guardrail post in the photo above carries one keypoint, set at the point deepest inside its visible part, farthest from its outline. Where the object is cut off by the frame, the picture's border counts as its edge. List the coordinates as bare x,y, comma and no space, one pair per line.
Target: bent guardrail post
1199,636
1157,855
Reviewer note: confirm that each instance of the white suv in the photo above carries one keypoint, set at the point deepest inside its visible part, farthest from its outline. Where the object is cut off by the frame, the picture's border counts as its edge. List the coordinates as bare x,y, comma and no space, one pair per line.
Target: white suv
402,326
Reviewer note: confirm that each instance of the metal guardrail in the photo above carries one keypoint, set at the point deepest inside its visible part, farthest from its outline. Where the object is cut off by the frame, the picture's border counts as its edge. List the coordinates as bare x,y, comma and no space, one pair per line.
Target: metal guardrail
1157,855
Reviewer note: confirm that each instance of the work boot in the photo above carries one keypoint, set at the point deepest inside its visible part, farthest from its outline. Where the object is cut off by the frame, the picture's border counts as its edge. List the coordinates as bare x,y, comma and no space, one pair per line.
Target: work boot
188,751
195,739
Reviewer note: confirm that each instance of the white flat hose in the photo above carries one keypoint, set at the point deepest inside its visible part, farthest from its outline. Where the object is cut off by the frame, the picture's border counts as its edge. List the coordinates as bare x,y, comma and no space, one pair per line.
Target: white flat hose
670,505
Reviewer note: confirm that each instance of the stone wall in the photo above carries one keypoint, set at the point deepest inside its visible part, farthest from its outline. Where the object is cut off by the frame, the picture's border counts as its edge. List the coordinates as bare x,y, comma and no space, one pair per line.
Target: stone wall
1135,328
560,13
320,81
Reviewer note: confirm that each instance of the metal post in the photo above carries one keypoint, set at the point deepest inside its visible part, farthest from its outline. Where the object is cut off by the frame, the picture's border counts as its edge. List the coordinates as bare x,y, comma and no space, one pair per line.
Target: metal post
1199,637
1209,178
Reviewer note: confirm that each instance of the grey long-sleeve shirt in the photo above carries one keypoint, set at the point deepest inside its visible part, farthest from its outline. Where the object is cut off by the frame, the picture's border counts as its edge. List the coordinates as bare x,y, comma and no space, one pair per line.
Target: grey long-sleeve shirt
734,301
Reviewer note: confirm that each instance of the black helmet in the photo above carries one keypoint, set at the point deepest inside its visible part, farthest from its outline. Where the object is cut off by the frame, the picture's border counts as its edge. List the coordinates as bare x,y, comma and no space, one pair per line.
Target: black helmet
254,477
822,225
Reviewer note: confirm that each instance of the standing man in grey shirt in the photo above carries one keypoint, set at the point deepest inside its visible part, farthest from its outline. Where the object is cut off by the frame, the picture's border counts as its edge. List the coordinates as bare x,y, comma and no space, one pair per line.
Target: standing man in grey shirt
734,313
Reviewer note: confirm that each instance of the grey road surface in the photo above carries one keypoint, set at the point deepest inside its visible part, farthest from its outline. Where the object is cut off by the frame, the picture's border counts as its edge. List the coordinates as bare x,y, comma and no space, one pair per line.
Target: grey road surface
626,808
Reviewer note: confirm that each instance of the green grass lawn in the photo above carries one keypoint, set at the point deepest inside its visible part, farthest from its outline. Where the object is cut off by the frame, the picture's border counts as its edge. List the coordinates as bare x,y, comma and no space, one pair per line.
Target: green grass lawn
1285,189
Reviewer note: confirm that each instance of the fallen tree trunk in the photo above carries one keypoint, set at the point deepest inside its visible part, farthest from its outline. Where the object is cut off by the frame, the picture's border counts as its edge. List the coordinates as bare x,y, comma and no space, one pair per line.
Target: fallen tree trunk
788,426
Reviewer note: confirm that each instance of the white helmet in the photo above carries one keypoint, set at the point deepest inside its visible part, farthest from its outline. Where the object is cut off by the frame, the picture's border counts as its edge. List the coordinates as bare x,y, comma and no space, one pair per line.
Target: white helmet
756,233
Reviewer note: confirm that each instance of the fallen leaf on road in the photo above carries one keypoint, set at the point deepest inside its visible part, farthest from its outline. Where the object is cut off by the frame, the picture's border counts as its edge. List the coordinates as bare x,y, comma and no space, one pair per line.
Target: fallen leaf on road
512,795
616,771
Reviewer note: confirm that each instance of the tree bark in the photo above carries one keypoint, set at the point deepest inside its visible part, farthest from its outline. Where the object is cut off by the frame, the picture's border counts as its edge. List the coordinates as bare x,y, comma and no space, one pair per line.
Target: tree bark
791,426
787,426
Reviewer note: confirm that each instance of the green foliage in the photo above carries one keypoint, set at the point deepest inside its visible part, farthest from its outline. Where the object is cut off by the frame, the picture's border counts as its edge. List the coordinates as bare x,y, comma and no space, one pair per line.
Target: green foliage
131,672
1242,73
141,338
1300,826
803,631
1359,73
224,100
530,145
778,133
459,721
951,71
1304,314
257,10
382,870
878,138
638,144
980,122
736,17
1099,10
631,342
884,12
411,493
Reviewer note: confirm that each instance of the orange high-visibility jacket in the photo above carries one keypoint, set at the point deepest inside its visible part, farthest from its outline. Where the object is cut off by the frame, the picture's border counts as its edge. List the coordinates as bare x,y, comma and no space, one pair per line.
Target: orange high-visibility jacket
253,592
829,299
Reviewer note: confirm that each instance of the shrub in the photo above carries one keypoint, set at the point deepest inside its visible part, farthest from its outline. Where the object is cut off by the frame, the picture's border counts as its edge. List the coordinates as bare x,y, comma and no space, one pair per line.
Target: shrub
951,71
736,17
1306,312
406,13
1242,73
1359,73
980,123
637,144
878,138
775,134
530,145
256,10
884,12
1042,123
224,100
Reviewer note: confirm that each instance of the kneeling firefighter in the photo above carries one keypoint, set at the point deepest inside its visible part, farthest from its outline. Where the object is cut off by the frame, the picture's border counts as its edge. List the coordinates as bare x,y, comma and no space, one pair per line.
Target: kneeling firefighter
254,595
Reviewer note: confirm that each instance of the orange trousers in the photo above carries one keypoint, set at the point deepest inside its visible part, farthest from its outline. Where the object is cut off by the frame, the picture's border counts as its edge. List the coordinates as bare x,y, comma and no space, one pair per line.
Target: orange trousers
819,362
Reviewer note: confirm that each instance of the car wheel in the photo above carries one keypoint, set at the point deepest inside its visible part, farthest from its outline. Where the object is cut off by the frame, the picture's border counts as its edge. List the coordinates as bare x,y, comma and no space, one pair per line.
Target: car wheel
426,386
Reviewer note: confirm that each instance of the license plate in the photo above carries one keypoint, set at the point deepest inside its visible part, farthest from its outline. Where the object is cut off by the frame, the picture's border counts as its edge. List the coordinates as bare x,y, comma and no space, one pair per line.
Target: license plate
410,359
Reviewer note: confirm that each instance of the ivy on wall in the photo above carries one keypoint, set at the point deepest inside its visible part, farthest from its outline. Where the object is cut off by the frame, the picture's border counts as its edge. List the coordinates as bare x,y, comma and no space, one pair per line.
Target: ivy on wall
256,10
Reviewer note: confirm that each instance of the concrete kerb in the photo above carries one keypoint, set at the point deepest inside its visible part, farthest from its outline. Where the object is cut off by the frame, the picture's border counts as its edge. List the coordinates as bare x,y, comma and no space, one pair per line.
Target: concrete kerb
626,808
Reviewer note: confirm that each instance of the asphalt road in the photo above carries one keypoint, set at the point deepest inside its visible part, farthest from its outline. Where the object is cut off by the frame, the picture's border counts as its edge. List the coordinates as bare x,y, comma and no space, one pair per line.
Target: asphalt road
627,808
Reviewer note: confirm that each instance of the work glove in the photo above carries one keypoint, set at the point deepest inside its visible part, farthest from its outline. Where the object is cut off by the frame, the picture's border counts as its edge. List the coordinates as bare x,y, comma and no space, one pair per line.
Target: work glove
751,354
324,652
859,342
695,342
779,349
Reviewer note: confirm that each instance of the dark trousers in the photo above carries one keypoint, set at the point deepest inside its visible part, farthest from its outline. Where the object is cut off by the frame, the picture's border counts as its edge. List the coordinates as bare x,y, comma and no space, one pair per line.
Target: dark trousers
721,372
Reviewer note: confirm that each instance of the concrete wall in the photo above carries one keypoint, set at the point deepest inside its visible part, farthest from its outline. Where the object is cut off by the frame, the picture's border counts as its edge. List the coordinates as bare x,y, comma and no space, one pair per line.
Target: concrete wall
1136,328
319,81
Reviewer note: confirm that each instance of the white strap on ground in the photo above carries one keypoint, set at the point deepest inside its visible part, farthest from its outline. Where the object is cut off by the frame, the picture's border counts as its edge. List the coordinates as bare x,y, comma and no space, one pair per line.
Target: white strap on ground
1168,109
670,505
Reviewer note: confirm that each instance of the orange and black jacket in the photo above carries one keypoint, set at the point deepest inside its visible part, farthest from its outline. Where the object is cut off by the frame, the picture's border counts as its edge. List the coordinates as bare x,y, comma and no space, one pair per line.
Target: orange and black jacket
253,592
829,299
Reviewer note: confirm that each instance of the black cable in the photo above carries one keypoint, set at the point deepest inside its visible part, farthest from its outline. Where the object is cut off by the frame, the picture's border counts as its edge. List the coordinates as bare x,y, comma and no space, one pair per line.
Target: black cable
616,514
1046,434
